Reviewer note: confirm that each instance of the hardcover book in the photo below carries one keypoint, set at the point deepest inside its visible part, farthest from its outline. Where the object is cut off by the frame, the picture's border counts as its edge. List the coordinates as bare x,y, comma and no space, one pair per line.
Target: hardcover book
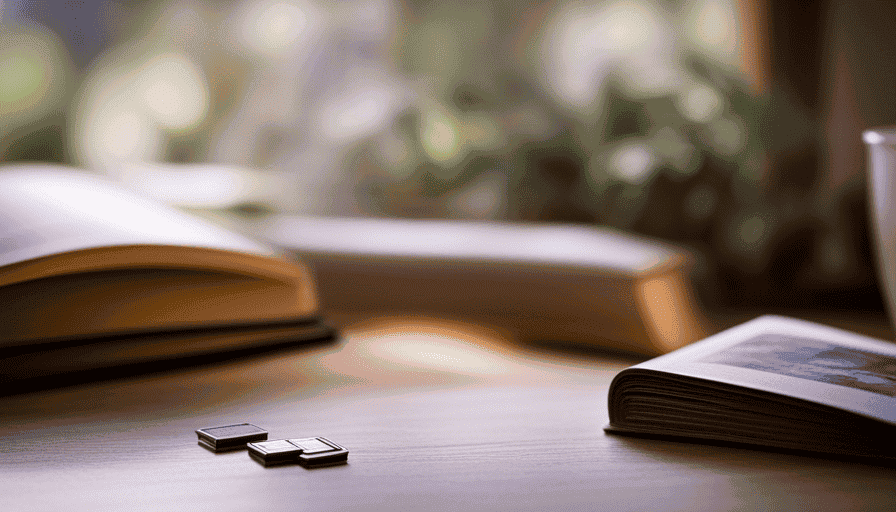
568,284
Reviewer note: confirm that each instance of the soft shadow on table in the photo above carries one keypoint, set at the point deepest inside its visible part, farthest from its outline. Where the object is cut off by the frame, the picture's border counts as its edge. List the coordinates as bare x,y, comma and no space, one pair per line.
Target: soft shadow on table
779,479
727,455
84,376
385,353
388,354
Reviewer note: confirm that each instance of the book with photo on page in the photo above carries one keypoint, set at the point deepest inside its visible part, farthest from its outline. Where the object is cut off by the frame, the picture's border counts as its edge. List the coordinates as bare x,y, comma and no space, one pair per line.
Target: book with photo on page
775,382
93,276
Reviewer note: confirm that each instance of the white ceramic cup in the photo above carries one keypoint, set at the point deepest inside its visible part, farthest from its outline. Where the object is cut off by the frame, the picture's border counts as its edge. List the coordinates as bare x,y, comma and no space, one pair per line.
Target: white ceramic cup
881,143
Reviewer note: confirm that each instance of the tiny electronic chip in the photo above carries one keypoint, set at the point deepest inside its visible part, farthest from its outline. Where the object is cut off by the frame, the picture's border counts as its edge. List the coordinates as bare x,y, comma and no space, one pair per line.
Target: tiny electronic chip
320,451
310,452
230,437
270,453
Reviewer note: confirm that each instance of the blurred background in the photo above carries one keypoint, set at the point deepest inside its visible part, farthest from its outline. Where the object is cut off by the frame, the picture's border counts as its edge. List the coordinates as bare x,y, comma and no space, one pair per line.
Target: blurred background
730,127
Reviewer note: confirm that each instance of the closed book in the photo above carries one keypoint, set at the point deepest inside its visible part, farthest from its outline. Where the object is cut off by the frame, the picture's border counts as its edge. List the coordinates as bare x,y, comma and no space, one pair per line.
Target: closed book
583,285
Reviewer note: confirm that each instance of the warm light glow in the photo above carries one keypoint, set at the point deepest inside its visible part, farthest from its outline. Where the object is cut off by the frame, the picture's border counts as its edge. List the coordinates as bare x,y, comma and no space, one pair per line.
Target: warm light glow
173,91
699,102
358,112
199,186
633,162
574,64
116,132
440,137
434,345
629,26
586,41
275,29
432,352
657,297
128,109
711,26
665,302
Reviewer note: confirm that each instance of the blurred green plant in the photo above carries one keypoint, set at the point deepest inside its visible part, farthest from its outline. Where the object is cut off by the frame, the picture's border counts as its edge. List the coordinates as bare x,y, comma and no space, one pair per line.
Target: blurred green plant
627,113
701,160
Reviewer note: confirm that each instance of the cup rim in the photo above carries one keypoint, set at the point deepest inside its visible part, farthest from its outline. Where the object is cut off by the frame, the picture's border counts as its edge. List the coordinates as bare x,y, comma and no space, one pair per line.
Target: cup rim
880,135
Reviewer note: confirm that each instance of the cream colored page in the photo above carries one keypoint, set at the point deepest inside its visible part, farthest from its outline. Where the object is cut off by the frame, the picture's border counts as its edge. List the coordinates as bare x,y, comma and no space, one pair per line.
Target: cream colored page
577,246
48,210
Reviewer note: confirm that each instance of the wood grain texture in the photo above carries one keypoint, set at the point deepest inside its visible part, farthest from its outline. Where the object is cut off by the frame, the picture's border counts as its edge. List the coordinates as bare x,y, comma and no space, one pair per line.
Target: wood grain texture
436,416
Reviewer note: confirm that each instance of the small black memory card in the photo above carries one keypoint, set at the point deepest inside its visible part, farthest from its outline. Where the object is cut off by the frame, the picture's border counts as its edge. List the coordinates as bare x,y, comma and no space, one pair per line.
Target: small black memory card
310,452
272,453
320,451
230,437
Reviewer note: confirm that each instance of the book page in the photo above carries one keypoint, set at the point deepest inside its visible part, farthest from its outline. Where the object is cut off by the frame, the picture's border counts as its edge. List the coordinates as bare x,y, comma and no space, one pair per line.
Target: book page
795,358
559,245
48,210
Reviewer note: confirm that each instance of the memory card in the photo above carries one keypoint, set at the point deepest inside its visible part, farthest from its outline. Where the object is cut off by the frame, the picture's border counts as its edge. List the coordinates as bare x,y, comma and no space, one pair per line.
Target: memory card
320,451
309,452
272,453
230,437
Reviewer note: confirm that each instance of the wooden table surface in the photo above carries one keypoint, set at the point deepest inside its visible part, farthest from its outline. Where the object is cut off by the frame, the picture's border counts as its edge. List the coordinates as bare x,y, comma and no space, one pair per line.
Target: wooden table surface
436,416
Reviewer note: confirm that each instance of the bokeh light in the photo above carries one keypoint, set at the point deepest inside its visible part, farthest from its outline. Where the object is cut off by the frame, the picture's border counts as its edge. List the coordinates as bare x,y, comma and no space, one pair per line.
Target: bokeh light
34,69
276,28
648,115
130,106
173,90
712,27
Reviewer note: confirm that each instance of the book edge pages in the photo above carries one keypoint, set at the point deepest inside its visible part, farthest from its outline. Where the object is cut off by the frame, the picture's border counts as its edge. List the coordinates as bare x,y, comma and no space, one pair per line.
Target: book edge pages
685,362
152,295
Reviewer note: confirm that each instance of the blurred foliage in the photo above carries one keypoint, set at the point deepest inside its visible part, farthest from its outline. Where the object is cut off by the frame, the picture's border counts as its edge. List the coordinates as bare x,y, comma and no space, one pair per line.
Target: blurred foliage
619,113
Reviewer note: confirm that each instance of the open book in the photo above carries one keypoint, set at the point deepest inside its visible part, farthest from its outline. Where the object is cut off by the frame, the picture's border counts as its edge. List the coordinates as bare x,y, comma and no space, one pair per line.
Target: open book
773,381
93,276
